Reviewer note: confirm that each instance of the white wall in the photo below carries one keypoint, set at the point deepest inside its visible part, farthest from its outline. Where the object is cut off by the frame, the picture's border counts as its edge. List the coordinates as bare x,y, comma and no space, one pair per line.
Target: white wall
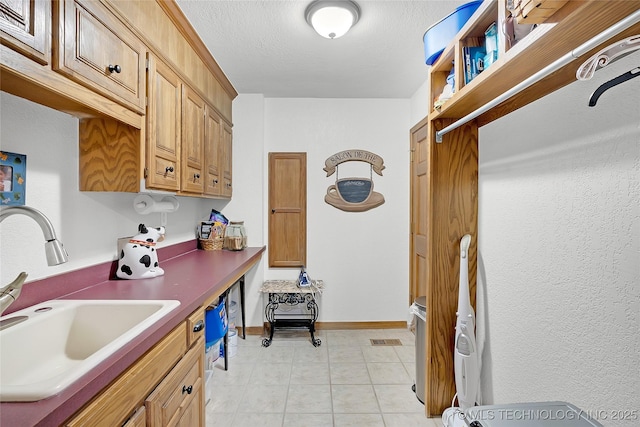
559,247
420,103
361,256
248,193
87,223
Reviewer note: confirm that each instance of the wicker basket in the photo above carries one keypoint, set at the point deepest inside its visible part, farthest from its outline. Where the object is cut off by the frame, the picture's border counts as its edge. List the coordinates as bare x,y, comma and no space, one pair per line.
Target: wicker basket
215,240
212,244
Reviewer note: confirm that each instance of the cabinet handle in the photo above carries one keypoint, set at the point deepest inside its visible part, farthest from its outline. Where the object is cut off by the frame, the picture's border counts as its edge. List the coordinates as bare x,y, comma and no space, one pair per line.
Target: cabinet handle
186,389
198,326
168,169
196,176
273,211
115,68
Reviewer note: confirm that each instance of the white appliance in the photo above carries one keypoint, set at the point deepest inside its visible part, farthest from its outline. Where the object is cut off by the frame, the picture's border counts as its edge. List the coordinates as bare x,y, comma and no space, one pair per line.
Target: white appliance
465,357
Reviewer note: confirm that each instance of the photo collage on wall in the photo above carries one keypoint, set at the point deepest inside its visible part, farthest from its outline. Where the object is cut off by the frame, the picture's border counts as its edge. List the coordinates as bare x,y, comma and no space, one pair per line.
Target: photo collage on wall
13,178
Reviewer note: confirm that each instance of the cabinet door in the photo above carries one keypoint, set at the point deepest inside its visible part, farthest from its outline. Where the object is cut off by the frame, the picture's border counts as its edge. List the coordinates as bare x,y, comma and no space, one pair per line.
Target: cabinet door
288,209
419,198
193,414
115,404
97,50
227,188
213,151
24,26
182,387
163,127
138,419
192,146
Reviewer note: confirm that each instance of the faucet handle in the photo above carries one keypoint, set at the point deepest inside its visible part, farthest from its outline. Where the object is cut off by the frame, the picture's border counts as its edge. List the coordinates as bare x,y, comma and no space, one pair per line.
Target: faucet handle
10,292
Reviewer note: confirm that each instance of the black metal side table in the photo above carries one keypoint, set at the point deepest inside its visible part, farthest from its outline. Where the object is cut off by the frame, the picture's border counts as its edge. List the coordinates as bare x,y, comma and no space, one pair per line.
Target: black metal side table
288,293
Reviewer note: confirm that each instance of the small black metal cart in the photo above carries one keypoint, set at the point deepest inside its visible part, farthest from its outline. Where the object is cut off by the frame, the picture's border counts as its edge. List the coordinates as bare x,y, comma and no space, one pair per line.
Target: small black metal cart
288,293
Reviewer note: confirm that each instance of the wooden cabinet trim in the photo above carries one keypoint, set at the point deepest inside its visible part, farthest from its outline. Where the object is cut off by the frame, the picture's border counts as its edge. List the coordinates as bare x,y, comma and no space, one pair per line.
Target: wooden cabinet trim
177,16
27,79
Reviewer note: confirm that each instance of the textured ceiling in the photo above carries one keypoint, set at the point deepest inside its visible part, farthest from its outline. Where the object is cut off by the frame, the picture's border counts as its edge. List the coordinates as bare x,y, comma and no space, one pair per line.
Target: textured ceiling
267,47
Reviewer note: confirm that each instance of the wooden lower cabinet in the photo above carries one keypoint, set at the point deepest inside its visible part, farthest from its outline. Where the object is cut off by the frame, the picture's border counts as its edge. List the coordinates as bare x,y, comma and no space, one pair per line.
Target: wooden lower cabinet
180,395
138,419
165,387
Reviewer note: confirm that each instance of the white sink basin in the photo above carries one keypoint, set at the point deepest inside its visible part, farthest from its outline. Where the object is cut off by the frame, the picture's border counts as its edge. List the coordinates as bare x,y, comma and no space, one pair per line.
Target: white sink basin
63,339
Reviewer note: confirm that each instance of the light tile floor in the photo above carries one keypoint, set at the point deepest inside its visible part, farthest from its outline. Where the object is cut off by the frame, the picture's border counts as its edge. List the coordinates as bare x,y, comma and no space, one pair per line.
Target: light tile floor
344,382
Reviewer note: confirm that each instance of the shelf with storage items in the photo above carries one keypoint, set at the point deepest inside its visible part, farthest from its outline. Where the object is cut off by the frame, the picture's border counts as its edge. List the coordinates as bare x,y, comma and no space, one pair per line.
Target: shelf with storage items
444,177
573,24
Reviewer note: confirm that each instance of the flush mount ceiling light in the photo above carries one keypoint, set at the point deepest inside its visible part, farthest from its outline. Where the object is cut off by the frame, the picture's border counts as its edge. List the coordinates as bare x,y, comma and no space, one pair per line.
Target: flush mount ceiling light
332,18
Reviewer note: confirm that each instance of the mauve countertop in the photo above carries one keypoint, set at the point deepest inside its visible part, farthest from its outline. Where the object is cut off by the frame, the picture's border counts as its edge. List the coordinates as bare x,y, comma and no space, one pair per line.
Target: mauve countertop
191,276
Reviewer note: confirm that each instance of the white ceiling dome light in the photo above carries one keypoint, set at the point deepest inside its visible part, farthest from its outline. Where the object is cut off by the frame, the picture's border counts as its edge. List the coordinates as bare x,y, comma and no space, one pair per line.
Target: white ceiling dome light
332,18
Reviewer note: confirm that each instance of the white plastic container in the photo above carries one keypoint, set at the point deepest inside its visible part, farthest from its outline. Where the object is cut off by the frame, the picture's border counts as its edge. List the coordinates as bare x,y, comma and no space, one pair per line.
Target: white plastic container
233,313
233,342
211,354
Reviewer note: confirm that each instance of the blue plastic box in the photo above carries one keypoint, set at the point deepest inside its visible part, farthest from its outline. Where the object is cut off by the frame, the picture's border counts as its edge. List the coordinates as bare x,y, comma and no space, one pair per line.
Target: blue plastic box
440,34
216,323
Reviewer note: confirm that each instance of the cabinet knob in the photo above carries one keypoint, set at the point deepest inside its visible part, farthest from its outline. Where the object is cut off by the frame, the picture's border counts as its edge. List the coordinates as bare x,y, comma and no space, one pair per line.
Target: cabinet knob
229,184
196,176
168,169
186,389
115,68
198,326
215,181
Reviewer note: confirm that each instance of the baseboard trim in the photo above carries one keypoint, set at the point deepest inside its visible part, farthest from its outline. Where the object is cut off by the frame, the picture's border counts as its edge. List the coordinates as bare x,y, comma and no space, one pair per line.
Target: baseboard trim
328,326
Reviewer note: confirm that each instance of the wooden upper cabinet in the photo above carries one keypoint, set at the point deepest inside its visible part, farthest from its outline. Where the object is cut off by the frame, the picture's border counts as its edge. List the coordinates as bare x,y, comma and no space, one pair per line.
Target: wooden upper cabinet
192,146
25,27
226,160
94,48
212,152
163,127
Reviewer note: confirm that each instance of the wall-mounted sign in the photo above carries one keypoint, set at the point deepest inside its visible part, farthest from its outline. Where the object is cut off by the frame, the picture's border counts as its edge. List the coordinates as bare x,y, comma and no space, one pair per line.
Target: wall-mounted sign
13,176
353,194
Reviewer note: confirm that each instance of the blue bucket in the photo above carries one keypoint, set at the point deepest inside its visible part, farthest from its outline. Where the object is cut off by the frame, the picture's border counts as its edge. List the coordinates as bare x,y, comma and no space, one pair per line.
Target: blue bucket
440,34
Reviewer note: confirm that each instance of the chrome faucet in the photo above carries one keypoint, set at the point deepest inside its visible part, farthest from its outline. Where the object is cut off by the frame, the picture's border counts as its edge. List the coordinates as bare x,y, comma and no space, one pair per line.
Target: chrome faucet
53,248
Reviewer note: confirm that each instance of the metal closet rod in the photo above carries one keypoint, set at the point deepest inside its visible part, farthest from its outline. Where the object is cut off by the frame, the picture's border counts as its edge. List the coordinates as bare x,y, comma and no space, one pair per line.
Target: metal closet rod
559,63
